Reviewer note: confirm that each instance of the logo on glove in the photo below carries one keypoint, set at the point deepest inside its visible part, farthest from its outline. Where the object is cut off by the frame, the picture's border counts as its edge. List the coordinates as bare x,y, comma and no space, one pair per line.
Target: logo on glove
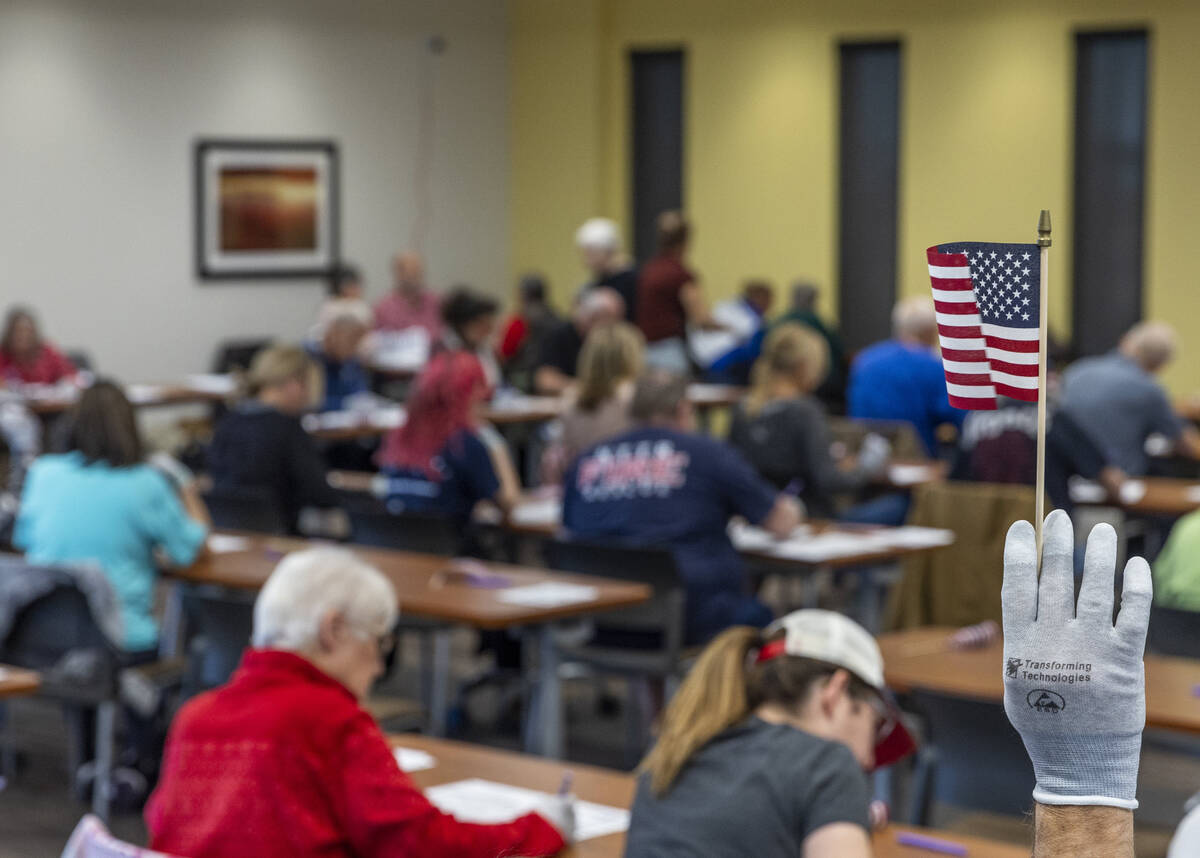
1046,702
1013,665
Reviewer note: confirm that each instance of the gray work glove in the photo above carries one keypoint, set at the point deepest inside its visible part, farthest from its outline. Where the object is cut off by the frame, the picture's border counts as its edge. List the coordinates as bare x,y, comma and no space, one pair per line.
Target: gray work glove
1074,685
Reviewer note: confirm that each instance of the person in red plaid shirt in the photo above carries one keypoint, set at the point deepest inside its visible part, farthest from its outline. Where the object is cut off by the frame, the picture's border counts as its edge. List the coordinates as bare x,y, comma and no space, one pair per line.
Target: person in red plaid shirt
284,761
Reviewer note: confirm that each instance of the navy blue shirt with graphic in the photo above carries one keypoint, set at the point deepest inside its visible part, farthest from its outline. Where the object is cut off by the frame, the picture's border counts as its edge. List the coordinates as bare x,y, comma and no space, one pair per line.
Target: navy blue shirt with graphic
465,476
660,487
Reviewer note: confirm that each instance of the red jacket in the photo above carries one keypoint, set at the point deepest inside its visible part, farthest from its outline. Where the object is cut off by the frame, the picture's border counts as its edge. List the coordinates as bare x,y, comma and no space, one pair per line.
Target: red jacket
283,761
49,367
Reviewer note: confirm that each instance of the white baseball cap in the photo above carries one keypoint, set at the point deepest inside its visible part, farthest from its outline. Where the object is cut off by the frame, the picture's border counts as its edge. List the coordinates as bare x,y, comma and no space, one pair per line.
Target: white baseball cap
834,639
600,233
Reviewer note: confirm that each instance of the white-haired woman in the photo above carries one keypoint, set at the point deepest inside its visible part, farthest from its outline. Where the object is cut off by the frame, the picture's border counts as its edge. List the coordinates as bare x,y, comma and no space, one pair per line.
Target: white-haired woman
599,243
284,760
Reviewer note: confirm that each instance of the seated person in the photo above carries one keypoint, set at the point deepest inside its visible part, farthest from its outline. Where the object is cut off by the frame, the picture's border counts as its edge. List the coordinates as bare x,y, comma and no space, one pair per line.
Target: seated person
598,407
444,460
662,484
20,443
346,298
470,324
261,444
285,761
599,244
526,331
101,503
764,748
410,304
1177,567
559,359
903,378
832,390
25,358
781,428
728,354
1117,401
337,356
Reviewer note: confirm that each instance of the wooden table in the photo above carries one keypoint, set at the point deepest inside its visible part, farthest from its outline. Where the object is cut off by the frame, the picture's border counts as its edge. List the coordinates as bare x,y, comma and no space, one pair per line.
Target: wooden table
16,682
456,761
1167,496
922,659
426,590
140,396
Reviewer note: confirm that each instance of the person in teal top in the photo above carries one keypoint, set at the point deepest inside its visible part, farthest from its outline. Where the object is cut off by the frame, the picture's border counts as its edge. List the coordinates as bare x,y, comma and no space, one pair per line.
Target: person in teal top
1177,571
100,503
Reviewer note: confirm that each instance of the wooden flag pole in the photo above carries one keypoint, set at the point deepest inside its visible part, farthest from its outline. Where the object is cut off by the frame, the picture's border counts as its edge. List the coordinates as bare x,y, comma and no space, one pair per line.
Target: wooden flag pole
1043,313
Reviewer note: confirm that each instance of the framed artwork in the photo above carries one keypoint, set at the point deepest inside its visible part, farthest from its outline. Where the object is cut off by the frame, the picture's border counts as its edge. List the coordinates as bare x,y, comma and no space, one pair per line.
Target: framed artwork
266,208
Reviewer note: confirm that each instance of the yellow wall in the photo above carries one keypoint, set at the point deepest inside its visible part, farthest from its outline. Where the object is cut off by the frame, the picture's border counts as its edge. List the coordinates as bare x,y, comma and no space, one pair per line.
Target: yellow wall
987,97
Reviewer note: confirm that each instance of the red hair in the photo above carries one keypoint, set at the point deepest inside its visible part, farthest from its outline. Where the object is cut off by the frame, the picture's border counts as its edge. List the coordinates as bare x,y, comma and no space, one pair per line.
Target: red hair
438,407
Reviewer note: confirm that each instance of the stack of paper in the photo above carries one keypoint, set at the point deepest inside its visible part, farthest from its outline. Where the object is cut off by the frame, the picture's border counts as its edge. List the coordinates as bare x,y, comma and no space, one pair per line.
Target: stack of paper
223,543
220,385
910,475
538,512
413,759
142,393
548,594
489,803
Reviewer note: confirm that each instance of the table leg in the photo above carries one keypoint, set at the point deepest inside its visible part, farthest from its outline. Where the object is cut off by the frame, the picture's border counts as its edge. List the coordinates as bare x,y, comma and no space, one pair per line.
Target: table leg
171,636
439,680
8,753
543,721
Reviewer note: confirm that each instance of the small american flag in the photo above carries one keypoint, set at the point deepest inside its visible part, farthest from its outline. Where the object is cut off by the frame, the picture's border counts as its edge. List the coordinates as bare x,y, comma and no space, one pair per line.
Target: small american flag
987,297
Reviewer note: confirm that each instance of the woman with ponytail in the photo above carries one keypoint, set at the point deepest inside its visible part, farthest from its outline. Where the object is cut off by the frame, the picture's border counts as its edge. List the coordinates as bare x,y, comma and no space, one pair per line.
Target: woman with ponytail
764,749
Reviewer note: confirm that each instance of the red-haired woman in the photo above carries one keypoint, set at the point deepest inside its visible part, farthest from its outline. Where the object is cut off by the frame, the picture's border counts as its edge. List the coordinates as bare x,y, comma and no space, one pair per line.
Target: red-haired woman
443,460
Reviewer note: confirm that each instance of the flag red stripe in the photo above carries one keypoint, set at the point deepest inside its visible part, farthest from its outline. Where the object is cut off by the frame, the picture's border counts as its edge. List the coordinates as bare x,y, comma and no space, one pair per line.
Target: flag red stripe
964,355
951,283
972,404
968,378
1023,346
1020,393
957,308
1029,369
961,332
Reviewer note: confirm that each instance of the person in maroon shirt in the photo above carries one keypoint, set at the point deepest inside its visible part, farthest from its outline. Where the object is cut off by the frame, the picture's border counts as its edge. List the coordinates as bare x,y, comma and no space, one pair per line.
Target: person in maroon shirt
284,761
25,357
669,297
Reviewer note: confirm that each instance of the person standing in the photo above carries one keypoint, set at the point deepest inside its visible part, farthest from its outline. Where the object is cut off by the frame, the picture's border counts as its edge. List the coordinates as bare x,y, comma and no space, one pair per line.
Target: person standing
599,243
410,304
669,297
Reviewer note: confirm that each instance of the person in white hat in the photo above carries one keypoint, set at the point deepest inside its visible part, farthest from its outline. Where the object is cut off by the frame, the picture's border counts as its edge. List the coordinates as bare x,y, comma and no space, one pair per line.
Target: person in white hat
764,748
599,243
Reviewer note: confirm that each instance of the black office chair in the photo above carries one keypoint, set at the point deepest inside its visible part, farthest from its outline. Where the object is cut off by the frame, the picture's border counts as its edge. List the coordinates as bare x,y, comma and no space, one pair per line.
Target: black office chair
219,625
57,636
80,359
245,508
237,354
1174,632
640,643
972,758
371,523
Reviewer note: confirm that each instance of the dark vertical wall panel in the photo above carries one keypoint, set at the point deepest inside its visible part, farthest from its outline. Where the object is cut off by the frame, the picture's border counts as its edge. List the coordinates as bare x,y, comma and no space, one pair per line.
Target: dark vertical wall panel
1110,158
868,195
657,145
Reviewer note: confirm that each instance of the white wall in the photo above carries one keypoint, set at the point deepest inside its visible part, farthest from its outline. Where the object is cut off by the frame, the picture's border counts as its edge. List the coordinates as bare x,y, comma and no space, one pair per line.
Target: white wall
101,100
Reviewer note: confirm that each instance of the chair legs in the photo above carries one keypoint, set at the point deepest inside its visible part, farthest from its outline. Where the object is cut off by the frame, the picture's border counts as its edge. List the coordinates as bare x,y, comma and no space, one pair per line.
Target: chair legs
106,727
921,799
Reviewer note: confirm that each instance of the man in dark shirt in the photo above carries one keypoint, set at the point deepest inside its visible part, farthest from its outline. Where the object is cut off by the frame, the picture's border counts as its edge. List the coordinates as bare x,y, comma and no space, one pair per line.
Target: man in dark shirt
662,484
599,243
560,350
669,297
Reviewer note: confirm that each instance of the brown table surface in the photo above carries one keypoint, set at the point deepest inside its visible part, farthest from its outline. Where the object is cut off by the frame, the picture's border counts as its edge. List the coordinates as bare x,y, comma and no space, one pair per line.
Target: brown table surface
922,659
360,481
420,583
149,396
15,682
1164,496
458,761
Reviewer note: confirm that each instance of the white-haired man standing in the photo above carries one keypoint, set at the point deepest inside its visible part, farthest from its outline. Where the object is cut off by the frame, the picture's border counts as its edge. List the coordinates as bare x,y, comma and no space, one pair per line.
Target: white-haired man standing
599,243
284,760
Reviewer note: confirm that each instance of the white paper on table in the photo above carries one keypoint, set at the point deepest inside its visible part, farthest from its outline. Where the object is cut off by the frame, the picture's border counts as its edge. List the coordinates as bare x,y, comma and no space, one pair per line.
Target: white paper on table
1085,491
223,543
908,475
139,393
1193,494
542,511
827,546
702,393
389,418
489,803
3,674
405,351
337,419
548,594
223,385
1132,491
413,759
911,536
516,403
747,537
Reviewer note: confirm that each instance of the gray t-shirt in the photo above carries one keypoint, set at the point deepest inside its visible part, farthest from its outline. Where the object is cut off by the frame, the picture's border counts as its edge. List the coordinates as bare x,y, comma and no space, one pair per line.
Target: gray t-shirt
1119,405
757,790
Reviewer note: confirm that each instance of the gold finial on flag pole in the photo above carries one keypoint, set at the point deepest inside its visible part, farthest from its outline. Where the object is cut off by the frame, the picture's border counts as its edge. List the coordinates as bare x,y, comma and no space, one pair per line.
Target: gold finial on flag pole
1043,244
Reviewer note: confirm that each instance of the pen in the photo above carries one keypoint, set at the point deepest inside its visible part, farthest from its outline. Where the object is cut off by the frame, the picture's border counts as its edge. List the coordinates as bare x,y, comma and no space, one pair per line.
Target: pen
946,847
568,780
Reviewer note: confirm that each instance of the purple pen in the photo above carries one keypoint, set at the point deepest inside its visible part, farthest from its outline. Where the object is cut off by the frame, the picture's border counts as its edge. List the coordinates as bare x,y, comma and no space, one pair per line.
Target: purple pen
920,841
1196,690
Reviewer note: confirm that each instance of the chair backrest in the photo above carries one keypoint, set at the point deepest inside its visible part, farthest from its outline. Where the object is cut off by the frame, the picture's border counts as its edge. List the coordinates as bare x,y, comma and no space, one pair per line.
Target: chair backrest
91,839
219,626
237,354
371,523
664,612
245,508
1174,632
80,359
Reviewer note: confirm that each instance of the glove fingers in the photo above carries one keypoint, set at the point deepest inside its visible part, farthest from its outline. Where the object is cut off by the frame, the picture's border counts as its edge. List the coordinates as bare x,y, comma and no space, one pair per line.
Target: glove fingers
1136,596
1056,589
1018,594
1099,568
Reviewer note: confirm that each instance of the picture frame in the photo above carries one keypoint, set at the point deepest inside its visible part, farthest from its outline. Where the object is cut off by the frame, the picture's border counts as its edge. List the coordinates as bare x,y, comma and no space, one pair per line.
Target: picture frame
266,208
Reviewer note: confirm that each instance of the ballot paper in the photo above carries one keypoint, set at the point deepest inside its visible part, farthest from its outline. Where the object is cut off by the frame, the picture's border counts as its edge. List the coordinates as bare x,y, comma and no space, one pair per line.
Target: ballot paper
489,803
1132,491
914,537
540,511
223,543
1085,491
413,760
909,475
1193,494
517,403
548,594
142,393
215,383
